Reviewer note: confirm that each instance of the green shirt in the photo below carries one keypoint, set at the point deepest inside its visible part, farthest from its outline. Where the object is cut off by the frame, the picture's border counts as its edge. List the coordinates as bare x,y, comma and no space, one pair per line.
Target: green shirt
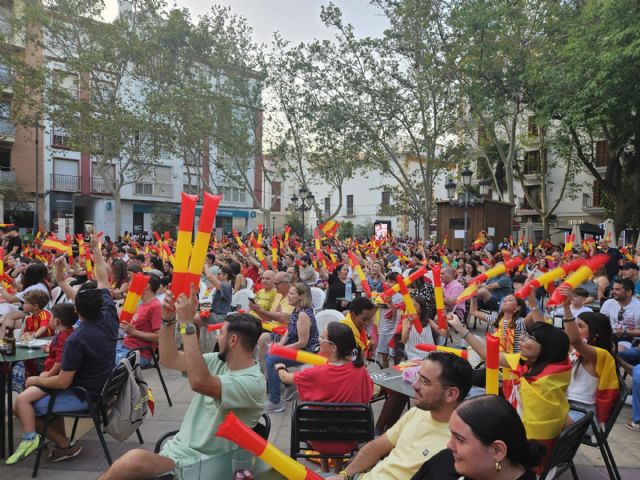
243,391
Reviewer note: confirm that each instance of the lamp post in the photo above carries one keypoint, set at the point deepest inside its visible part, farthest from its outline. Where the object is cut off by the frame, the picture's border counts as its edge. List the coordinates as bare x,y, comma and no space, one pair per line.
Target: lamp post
467,199
273,225
306,201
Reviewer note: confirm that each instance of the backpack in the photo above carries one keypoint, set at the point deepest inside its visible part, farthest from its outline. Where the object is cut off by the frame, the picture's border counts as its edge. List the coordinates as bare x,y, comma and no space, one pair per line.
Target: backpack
126,413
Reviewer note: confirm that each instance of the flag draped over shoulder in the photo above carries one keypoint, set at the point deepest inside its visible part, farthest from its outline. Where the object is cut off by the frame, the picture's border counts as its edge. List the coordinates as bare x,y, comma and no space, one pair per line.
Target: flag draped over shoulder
542,403
608,385
329,228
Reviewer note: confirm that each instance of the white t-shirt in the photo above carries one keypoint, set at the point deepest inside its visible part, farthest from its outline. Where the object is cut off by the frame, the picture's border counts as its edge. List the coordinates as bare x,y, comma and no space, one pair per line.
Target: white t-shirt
630,317
559,312
37,286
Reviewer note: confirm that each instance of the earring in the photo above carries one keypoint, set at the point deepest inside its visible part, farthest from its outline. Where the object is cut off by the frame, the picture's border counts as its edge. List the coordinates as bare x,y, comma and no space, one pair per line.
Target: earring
498,466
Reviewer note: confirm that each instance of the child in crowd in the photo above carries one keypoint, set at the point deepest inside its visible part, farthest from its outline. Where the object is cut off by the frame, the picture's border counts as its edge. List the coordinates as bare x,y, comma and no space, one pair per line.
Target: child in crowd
37,323
63,317
387,323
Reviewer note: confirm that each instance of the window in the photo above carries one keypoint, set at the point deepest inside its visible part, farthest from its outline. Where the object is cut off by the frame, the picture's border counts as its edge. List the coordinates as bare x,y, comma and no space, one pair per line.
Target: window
234,194
386,198
327,206
534,194
532,162
67,82
276,196
597,194
349,204
532,127
60,138
6,125
191,189
144,188
602,153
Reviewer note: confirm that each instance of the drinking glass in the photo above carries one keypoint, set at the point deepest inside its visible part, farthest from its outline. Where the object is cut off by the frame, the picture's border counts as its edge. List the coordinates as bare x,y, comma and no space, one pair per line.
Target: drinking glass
243,463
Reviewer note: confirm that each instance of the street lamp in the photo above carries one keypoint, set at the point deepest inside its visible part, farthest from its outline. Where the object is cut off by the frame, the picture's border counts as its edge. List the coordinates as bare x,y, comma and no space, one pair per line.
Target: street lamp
273,225
468,199
306,199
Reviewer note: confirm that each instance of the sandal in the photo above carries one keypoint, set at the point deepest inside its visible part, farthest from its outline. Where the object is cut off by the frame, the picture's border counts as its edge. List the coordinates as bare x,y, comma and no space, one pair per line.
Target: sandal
633,426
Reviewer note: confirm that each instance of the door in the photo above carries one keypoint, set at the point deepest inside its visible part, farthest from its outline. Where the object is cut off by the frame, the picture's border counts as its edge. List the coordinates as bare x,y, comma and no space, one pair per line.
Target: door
138,222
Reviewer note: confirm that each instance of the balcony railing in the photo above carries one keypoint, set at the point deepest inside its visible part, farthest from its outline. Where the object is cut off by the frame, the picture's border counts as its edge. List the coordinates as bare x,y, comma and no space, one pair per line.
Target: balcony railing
7,176
589,202
65,183
99,185
164,190
7,128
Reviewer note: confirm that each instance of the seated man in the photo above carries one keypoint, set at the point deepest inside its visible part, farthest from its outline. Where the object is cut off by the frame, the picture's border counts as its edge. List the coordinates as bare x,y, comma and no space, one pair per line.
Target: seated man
490,296
87,360
443,382
222,382
361,313
143,330
267,294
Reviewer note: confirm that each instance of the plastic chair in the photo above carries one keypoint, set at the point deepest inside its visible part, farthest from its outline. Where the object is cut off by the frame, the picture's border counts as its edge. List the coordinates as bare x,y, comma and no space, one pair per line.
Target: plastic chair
318,297
334,422
327,316
249,284
567,445
97,411
240,299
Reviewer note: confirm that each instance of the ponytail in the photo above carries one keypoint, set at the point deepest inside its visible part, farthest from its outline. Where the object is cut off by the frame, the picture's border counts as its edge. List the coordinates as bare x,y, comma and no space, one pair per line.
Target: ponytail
357,357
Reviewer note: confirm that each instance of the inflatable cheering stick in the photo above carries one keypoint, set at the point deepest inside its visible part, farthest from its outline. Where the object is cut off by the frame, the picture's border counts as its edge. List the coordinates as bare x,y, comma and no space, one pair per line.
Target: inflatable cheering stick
548,277
299,356
134,295
493,365
578,277
427,347
437,286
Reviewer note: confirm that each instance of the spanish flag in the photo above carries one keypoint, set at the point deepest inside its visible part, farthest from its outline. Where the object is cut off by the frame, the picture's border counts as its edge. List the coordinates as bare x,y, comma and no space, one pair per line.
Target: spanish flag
329,228
57,245
608,385
543,401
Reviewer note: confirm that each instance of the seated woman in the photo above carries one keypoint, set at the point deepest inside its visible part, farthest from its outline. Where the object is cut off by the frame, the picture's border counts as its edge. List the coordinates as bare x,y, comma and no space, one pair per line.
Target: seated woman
541,371
337,287
488,442
594,381
302,333
342,380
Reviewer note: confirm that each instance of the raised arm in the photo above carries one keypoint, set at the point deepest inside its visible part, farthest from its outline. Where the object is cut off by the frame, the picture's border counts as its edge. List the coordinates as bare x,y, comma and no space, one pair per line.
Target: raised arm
169,355
474,342
101,272
61,280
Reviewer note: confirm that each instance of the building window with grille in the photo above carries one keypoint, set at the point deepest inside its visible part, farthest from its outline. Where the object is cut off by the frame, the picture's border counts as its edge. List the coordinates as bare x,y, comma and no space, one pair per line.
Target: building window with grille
532,162
386,199
349,204
327,206
602,153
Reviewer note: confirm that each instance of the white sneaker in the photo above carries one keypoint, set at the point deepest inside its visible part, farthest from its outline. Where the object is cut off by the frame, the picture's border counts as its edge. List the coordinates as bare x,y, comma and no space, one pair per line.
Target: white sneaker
274,407
629,400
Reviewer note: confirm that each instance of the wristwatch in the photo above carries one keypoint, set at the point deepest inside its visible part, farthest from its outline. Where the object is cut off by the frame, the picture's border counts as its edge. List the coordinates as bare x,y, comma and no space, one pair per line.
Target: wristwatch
187,328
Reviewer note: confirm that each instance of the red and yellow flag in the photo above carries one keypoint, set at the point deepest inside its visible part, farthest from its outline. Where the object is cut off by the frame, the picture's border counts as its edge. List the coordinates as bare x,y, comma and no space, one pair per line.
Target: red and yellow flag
57,245
329,228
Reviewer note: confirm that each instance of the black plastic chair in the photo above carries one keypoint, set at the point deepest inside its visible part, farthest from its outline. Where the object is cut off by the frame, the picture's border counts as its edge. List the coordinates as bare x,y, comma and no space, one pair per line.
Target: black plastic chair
601,435
334,422
567,445
97,411
155,364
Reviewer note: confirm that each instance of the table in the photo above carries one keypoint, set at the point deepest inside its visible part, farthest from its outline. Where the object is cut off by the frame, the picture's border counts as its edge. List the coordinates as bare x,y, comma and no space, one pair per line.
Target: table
6,367
392,379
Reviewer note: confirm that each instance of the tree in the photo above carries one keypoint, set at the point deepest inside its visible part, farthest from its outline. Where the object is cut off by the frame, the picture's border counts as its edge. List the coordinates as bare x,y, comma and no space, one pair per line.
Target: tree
589,82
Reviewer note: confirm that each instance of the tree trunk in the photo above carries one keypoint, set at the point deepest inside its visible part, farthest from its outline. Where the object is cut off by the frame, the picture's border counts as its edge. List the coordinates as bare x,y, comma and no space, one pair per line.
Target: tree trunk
117,202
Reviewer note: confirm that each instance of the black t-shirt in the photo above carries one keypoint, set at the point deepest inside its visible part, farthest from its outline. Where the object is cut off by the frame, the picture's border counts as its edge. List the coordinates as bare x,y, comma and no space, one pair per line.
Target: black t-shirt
13,242
613,265
337,289
440,467
91,348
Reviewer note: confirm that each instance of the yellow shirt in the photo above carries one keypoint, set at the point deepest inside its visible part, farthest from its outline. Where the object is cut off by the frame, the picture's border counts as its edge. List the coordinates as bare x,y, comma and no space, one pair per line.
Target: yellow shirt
281,305
416,437
265,299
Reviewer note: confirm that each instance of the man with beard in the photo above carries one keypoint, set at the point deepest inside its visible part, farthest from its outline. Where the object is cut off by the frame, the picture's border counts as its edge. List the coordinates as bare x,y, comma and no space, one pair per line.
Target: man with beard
223,381
441,384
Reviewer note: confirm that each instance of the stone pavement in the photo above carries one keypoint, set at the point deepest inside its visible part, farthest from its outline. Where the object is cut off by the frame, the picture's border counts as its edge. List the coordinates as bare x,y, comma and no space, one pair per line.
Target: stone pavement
91,462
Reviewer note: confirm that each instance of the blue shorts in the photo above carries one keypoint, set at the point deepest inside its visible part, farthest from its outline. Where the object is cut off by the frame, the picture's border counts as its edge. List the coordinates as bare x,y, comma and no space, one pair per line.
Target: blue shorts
66,401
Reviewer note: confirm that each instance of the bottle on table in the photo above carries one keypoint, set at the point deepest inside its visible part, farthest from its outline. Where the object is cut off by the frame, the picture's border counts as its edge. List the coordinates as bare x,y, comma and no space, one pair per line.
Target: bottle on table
347,290
10,342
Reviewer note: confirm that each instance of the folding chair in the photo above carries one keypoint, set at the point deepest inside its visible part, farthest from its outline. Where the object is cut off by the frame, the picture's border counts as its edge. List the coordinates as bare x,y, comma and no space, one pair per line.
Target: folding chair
602,434
567,445
155,364
335,422
97,411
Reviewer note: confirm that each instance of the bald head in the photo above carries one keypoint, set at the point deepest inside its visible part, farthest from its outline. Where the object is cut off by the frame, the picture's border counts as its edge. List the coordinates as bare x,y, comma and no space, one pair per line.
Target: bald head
267,279
448,274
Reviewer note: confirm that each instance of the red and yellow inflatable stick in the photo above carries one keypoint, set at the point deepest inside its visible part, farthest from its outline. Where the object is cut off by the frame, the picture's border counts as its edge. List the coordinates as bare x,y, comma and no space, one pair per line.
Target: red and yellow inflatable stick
136,288
437,286
190,261
492,383
260,227
243,249
548,277
274,327
427,347
581,275
274,252
237,432
215,326
407,281
259,254
355,264
297,355
287,230
169,253
568,247
1,261
409,307
89,267
496,271
626,254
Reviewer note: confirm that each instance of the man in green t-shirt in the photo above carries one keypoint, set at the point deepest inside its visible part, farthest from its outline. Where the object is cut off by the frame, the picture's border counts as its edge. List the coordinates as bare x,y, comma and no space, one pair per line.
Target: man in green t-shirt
222,382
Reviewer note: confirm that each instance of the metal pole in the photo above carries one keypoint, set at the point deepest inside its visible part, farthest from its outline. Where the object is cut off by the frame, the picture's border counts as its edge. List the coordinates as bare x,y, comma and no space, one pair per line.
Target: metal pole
466,204
302,210
36,210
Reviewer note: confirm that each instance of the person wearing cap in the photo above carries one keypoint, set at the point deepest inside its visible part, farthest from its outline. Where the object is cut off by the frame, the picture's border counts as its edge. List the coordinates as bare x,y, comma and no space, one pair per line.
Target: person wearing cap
630,270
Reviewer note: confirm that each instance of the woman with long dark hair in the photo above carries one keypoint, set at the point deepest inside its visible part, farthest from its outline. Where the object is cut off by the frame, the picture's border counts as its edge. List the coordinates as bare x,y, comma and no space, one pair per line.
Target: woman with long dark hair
120,279
337,281
488,442
342,380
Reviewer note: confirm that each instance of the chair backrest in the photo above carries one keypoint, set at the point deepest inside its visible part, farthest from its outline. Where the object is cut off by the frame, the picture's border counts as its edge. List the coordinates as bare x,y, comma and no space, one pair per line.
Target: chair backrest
249,284
112,388
263,428
567,445
335,422
56,297
327,316
241,299
314,280
317,297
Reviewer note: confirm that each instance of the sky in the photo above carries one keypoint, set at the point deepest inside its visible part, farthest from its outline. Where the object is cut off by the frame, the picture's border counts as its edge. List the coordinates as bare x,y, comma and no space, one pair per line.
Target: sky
297,20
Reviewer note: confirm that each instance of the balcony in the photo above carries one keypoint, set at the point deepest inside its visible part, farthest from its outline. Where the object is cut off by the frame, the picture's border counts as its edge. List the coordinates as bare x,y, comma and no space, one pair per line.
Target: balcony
523,208
164,190
65,183
7,130
591,205
7,176
99,185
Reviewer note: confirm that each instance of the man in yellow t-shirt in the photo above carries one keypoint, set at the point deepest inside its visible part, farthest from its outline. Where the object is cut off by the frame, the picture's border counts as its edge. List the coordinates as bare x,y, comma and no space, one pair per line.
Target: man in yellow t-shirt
443,382
265,296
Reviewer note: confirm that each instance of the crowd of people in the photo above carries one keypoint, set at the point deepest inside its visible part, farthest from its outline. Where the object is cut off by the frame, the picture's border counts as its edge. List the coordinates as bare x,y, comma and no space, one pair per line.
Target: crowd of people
73,295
